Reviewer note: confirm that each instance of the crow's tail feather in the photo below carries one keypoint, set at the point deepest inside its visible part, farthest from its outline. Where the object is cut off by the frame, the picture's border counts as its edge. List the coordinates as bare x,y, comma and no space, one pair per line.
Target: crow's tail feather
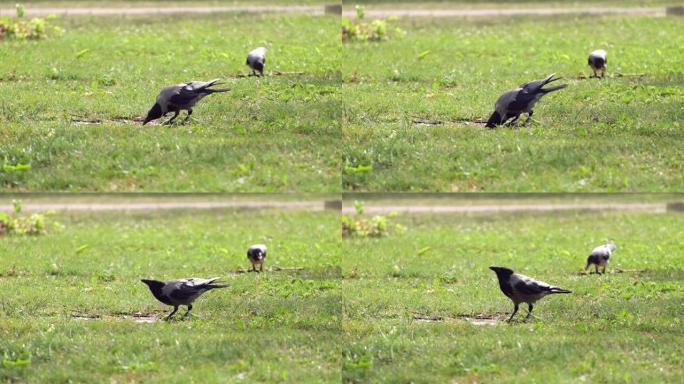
559,290
209,90
552,89
213,82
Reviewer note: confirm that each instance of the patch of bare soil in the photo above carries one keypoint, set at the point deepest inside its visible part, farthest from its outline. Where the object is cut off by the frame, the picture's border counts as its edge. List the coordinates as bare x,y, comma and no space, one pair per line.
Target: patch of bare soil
85,316
136,317
96,121
477,319
611,75
425,122
240,271
275,73
609,272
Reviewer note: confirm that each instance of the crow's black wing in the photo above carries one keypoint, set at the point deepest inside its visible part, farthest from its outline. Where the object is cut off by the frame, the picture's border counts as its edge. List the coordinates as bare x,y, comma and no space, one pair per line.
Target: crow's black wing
528,286
184,96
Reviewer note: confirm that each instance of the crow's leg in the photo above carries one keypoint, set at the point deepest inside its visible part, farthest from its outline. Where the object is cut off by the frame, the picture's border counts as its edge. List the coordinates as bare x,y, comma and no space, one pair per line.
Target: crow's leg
172,118
188,116
175,309
261,267
529,311
512,121
529,118
596,267
253,268
185,316
515,310
604,268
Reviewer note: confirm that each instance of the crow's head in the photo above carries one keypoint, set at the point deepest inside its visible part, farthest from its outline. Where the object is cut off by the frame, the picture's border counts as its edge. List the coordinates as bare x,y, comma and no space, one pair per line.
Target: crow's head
154,284
501,271
494,120
257,252
154,113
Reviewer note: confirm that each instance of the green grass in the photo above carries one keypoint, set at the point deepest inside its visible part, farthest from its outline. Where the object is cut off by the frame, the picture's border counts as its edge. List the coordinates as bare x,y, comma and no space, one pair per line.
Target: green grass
619,327
278,133
615,134
269,327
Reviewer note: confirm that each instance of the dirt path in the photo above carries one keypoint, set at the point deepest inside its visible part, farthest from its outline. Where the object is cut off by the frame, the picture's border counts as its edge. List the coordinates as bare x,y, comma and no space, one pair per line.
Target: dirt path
316,205
384,209
319,205
455,12
319,10
91,11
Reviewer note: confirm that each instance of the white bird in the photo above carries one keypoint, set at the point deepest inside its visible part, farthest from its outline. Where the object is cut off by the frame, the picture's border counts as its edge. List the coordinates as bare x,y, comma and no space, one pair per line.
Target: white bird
599,256
598,61
256,59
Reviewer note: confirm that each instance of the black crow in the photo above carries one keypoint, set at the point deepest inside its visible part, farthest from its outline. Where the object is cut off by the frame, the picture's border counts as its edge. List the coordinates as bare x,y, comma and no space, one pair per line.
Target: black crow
256,59
598,61
599,256
523,289
256,255
180,292
181,97
513,103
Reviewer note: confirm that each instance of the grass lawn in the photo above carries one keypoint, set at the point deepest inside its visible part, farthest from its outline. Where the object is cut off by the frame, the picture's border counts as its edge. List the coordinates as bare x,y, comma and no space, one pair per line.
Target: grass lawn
615,134
618,327
278,133
271,327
